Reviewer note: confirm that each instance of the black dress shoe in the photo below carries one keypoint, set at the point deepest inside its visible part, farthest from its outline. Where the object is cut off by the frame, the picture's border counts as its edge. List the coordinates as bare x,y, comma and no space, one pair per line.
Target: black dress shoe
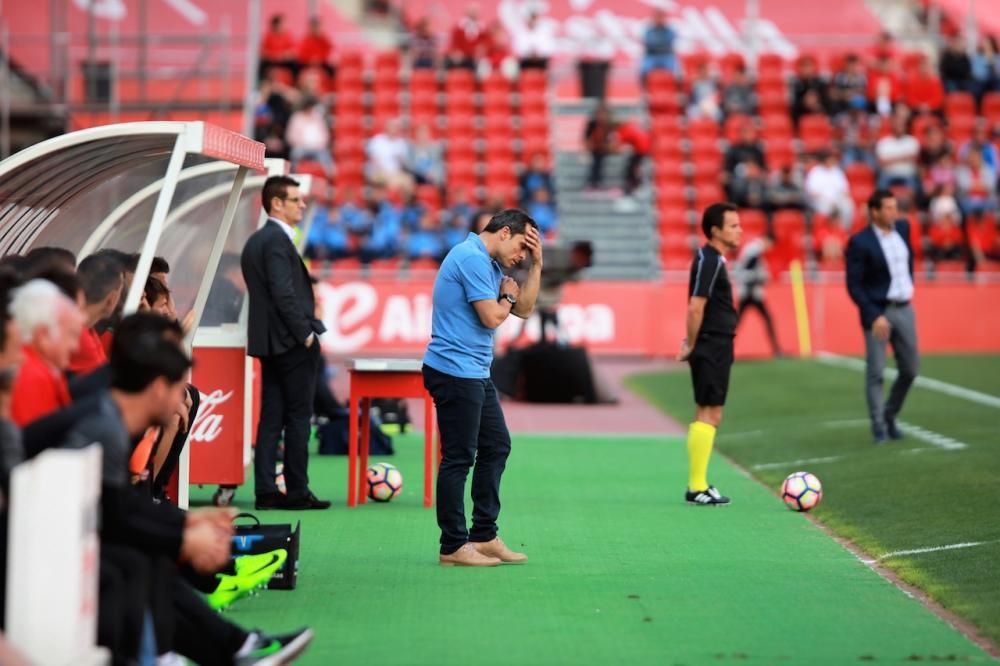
271,501
306,502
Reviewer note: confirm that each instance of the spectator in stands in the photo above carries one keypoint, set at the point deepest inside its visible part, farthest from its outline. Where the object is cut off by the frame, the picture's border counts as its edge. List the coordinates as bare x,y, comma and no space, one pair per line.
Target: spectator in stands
808,80
897,157
543,212
985,64
308,136
659,40
50,325
956,68
328,237
412,213
739,96
849,88
830,241
278,48
468,40
884,47
425,242
597,138
356,219
945,234
704,94
746,149
101,279
536,176
535,42
980,143
315,48
275,101
941,177
460,213
497,56
984,241
828,191
457,228
934,147
423,46
785,190
383,237
749,186
388,152
632,136
924,92
884,88
856,131
426,159
976,183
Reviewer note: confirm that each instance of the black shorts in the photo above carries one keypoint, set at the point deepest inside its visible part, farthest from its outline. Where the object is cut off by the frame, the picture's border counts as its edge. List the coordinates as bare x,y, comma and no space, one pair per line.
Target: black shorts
711,362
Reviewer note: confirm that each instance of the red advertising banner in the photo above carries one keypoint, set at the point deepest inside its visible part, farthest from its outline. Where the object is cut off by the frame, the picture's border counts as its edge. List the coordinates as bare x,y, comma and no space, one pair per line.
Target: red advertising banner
217,434
648,318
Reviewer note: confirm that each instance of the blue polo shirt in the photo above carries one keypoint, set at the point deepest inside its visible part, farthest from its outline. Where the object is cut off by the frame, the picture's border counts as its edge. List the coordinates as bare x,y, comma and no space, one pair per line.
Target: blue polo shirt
461,345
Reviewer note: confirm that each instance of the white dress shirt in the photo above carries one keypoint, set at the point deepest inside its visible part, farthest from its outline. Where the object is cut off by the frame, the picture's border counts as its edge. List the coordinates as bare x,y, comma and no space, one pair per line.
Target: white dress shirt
898,259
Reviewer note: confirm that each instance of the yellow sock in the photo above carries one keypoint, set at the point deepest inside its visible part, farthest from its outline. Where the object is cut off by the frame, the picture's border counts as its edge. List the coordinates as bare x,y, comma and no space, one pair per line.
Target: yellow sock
700,438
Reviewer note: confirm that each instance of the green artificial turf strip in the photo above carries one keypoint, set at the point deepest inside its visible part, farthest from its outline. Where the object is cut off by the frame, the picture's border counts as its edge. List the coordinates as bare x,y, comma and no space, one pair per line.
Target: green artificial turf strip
901,496
621,571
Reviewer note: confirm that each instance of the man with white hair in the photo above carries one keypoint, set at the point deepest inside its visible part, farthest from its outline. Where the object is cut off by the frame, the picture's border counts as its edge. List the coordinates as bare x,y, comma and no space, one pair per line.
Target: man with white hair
50,325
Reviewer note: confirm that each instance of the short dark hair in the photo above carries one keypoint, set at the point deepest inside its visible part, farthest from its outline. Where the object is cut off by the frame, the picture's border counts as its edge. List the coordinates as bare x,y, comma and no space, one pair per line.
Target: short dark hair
132,262
47,255
146,347
99,275
15,262
877,197
715,216
514,219
116,255
154,290
56,273
159,265
276,186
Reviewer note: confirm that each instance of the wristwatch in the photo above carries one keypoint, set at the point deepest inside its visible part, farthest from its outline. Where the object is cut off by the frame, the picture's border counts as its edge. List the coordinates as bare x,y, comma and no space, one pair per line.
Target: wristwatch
509,298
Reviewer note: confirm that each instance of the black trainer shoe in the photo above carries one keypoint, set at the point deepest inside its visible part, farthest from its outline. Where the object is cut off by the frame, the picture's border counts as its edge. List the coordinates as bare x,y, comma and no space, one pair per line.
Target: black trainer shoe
710,497
893,430
274,650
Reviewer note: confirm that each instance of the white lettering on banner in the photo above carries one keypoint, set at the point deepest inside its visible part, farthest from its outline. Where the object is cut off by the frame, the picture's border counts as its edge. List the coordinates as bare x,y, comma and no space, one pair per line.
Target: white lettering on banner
354,319
207,424
406,321
606,33
345,307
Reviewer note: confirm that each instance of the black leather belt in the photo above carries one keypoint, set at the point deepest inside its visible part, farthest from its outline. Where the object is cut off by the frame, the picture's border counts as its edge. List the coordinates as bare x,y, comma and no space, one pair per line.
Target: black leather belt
897,304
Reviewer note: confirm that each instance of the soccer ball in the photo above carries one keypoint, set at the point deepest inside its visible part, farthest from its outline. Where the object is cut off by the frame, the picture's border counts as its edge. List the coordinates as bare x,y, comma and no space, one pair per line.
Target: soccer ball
801,491
384,482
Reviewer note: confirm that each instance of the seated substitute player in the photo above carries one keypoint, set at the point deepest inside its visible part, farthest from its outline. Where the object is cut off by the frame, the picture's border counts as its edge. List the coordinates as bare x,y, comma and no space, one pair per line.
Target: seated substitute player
708,347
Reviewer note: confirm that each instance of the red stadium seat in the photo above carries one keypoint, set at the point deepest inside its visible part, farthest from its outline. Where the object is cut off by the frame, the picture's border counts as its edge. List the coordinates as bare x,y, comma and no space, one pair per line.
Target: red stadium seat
671,196
779,153
670,172
734,125
707,194
770,65
666,126
815,132
350,60
754,222
957,104
703,128
776,126
660,80
424,80
960,129
730,64
773,101
533,82
531,146
991,107
387,60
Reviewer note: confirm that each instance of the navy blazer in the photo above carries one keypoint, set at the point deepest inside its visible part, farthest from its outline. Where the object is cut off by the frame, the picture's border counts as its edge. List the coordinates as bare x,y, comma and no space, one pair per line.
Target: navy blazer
280,293
868,276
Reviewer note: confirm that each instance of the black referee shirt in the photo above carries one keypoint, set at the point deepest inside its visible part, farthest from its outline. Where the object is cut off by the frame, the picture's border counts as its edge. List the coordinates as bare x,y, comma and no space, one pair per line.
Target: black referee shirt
710,280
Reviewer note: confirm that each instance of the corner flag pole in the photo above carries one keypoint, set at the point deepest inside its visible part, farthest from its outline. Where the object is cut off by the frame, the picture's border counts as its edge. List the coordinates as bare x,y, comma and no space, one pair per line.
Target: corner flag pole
801,309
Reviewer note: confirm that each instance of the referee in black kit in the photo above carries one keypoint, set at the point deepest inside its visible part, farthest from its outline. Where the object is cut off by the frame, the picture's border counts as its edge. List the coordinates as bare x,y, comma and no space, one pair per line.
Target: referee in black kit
708,347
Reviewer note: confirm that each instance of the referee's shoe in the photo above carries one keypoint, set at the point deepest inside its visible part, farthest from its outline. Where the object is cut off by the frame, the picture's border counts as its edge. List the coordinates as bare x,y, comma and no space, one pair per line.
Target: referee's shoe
709,497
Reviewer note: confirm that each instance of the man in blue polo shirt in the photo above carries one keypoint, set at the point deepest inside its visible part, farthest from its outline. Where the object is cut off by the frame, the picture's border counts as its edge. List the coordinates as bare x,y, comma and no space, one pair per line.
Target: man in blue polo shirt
472,297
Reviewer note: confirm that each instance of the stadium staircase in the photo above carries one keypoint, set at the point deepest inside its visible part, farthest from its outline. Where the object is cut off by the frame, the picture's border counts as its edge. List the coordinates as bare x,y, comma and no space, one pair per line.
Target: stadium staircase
625,241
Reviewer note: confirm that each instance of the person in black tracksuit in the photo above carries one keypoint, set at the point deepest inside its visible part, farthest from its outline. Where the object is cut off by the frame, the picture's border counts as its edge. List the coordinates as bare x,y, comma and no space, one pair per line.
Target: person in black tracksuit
752,274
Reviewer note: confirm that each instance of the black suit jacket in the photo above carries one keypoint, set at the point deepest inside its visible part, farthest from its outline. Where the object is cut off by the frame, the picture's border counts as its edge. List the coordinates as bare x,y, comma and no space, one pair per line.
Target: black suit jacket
280,292
868,276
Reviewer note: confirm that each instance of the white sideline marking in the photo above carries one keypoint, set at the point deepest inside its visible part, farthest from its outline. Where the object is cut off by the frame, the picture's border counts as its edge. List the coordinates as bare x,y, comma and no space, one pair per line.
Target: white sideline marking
932,438
932,549
796,463
924,382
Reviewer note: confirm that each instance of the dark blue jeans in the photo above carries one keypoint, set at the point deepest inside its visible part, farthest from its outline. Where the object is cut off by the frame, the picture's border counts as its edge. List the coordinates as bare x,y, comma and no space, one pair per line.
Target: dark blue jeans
473,432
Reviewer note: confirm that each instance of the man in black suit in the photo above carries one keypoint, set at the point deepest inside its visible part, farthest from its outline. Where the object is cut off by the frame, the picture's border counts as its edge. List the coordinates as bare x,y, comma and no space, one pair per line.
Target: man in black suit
880,282
283,333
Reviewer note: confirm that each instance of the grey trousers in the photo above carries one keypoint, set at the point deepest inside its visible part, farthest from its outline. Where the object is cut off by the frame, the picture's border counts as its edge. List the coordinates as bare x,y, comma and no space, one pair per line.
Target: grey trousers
903,338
